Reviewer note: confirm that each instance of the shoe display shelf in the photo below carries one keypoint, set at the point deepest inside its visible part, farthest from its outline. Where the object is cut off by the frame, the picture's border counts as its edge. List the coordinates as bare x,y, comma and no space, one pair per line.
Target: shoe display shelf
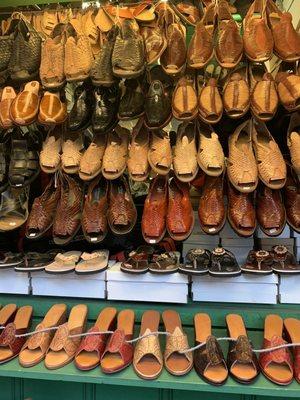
69,383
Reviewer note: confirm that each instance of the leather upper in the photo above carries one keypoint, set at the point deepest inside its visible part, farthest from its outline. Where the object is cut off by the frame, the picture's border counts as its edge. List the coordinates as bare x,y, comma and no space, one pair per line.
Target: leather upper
292,200
269,208
157,105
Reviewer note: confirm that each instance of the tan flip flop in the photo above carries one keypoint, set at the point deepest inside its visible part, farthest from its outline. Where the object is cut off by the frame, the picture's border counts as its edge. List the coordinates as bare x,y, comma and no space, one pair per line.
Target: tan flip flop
209,360
35,348
63,348
10,346
91,348
147,359
292,328
25,106
241,361
7,314
118,354
176,363
276,365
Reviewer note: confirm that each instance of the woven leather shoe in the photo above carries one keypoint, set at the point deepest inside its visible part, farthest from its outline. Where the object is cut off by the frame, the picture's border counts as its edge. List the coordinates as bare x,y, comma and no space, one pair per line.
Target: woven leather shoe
241,164
106,105
270,162
185,102
122,214
137,164
158,108
94,214
236,93
292,200
210,101
211,210
288,86
257,37
155,210
80,114
132,102
270,211
293,141
43,211
241,212
180,215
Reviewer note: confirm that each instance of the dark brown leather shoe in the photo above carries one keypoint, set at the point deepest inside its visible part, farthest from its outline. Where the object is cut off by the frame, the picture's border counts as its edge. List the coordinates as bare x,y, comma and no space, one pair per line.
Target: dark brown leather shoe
94,214
122,213
174,57
229,46
155,210
241,212
180,216
43,211
257,37
270,211
68,211
211,209
201,48
292,200
158,106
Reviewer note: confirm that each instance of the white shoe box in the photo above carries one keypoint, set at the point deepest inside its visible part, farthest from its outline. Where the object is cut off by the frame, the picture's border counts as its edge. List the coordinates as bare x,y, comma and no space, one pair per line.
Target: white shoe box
297,248
286,233
246,288
70,285
14,282
289,289
166,288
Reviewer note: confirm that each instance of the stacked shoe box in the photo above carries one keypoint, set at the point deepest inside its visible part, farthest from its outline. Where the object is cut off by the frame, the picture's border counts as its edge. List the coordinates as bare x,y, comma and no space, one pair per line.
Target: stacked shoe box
13,282
289,284
166,288
70,285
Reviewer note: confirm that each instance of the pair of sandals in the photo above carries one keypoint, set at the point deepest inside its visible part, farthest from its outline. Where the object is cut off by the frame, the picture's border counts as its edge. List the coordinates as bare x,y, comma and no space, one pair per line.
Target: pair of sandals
220,262
144,259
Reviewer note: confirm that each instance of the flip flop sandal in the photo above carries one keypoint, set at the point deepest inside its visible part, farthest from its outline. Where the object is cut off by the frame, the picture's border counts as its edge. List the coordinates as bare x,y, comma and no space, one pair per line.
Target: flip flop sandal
138,261
91,347
63,263
35,349
276,365
292,329
118,354
92,263
166,263
223,263
241,361
258,262
197,262
176,363
148,359
10,259
209,360
284,262
7,314
63,348
13,209
35,262
10,346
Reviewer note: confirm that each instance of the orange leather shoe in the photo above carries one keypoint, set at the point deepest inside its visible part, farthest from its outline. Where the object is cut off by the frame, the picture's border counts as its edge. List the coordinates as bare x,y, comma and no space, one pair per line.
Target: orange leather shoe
53,110
7,97
25,106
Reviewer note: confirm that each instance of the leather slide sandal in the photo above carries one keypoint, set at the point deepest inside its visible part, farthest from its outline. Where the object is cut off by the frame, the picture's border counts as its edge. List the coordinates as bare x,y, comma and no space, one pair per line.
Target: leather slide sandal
292,329
91,348
276,365
241,361
35,348
175,363
63,348
10,345
7,314
7,97
25,106
148,359
118,354
209,360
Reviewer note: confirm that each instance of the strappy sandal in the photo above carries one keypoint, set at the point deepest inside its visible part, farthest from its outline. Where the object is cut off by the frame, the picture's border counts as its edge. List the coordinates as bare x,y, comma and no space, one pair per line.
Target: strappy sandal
138,261
209,360
241,361
118,354
292,330
223,263
276,365
197,262
63,348
176,363
24,159
258,262
91,348
34,350
166,263
148,359
284,262
10,345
